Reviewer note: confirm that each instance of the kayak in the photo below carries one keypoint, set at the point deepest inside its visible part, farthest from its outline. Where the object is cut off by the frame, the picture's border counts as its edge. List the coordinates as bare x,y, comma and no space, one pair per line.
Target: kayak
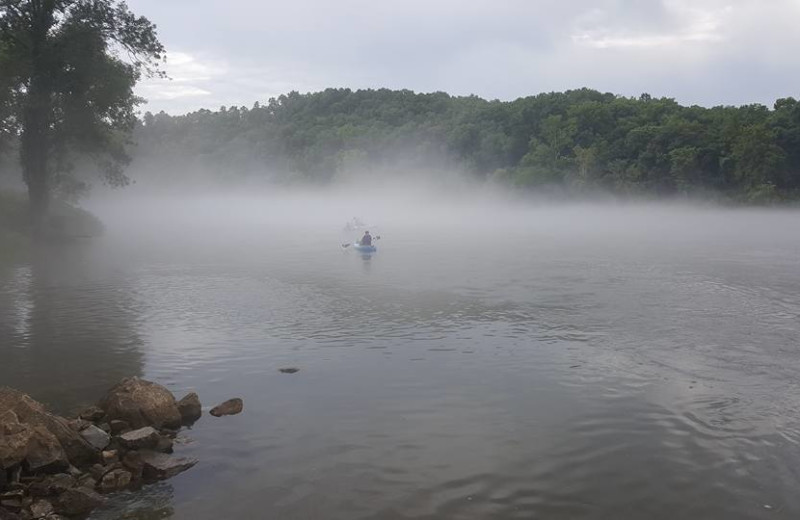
364,249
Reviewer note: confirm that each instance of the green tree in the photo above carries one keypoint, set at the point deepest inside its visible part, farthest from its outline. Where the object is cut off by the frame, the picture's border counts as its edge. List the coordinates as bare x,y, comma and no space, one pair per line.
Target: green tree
69,68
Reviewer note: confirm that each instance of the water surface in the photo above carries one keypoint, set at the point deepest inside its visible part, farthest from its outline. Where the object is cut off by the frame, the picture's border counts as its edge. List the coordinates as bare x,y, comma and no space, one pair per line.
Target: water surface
490,361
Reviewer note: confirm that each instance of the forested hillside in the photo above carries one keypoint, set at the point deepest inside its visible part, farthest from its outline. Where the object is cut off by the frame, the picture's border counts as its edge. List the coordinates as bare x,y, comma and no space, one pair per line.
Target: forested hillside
580,140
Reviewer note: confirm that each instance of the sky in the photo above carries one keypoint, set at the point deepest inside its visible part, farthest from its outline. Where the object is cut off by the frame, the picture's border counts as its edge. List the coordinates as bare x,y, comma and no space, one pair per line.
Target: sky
706,52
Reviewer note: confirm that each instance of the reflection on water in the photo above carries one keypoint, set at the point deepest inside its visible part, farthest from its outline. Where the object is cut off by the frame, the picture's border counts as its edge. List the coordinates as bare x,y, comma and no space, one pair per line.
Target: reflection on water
68,327
582,365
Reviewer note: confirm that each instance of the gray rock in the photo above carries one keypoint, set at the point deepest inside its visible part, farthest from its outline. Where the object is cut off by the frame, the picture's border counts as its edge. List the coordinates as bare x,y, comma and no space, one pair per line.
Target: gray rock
229,407
96,437
77,501
115,480
41,508
159,466
141,403
146,437
190,408
93,414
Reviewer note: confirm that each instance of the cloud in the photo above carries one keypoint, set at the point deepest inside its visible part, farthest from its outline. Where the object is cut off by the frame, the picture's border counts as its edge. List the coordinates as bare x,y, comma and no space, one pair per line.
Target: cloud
696,25
698,51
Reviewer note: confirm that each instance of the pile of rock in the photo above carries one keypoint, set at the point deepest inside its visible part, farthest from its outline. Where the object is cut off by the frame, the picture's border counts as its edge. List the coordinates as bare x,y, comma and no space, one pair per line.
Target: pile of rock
51,467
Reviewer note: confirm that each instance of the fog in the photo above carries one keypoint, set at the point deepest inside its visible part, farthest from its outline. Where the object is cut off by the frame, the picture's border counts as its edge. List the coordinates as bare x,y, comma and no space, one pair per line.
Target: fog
599,356
454,214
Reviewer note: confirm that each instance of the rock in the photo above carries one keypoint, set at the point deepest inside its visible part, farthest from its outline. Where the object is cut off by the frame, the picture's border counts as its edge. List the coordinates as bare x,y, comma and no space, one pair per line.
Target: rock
96,437
32,413
60,482
97,471
93,414
87,481
115,480
41,508
190,408
164,445
229,407
159,466
118,427
110,456
289,370
105,427
12,504
146,437
52,485
45,452
78,425
141,403
8,515
14,476
166,432
14,438
133,462
77,501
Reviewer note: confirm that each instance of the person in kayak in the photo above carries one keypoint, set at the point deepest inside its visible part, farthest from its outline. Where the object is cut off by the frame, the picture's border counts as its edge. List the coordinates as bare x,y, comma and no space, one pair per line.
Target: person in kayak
366,240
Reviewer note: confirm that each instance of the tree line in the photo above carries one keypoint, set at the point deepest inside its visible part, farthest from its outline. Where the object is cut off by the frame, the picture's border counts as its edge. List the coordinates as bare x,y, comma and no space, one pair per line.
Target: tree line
570,142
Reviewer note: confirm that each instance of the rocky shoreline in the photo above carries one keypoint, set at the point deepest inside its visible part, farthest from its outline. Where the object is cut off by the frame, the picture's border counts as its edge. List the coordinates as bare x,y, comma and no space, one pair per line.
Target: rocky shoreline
55,468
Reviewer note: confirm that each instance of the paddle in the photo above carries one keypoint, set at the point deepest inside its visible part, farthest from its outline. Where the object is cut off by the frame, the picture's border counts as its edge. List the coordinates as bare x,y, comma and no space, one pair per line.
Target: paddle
345,246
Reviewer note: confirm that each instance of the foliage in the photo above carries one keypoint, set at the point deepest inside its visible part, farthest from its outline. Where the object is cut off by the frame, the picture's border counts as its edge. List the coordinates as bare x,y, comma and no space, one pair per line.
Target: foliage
577,140
66,92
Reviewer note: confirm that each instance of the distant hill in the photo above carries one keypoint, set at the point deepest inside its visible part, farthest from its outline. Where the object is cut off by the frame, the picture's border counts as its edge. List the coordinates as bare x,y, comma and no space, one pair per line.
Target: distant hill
570,142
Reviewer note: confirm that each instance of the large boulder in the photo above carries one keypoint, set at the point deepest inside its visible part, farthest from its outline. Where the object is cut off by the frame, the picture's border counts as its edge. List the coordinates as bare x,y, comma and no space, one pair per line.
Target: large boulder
14,439
141,403
29,412
45,453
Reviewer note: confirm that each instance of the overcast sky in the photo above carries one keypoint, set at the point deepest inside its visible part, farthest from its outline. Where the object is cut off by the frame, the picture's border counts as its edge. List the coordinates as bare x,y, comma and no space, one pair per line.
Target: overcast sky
708,52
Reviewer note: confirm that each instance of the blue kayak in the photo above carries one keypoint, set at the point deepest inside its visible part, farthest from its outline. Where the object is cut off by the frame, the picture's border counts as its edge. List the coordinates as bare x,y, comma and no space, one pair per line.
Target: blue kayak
364,249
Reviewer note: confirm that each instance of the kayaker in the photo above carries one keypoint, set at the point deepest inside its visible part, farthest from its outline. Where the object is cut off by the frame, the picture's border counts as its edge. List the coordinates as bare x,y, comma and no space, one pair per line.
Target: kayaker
366,240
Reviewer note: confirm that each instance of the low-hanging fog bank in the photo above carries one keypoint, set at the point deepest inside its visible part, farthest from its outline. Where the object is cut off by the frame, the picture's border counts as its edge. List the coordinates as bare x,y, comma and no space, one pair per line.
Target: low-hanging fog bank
447,210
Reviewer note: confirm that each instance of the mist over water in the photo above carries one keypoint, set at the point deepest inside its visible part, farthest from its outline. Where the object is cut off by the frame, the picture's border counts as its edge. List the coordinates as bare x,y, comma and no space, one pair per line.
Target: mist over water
496,358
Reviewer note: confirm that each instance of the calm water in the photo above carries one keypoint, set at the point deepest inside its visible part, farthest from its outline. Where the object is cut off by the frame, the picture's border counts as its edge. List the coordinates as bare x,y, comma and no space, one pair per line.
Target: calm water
487,362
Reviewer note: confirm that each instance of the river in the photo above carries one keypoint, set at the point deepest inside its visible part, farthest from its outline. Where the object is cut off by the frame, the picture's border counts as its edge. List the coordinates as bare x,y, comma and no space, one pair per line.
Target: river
491,360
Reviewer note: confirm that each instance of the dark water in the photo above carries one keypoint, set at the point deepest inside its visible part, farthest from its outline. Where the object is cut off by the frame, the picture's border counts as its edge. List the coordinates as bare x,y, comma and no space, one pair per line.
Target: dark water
487,362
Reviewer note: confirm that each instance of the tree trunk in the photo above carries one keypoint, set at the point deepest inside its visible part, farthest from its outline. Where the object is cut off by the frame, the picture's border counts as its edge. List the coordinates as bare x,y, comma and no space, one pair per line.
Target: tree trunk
35,139
33,157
